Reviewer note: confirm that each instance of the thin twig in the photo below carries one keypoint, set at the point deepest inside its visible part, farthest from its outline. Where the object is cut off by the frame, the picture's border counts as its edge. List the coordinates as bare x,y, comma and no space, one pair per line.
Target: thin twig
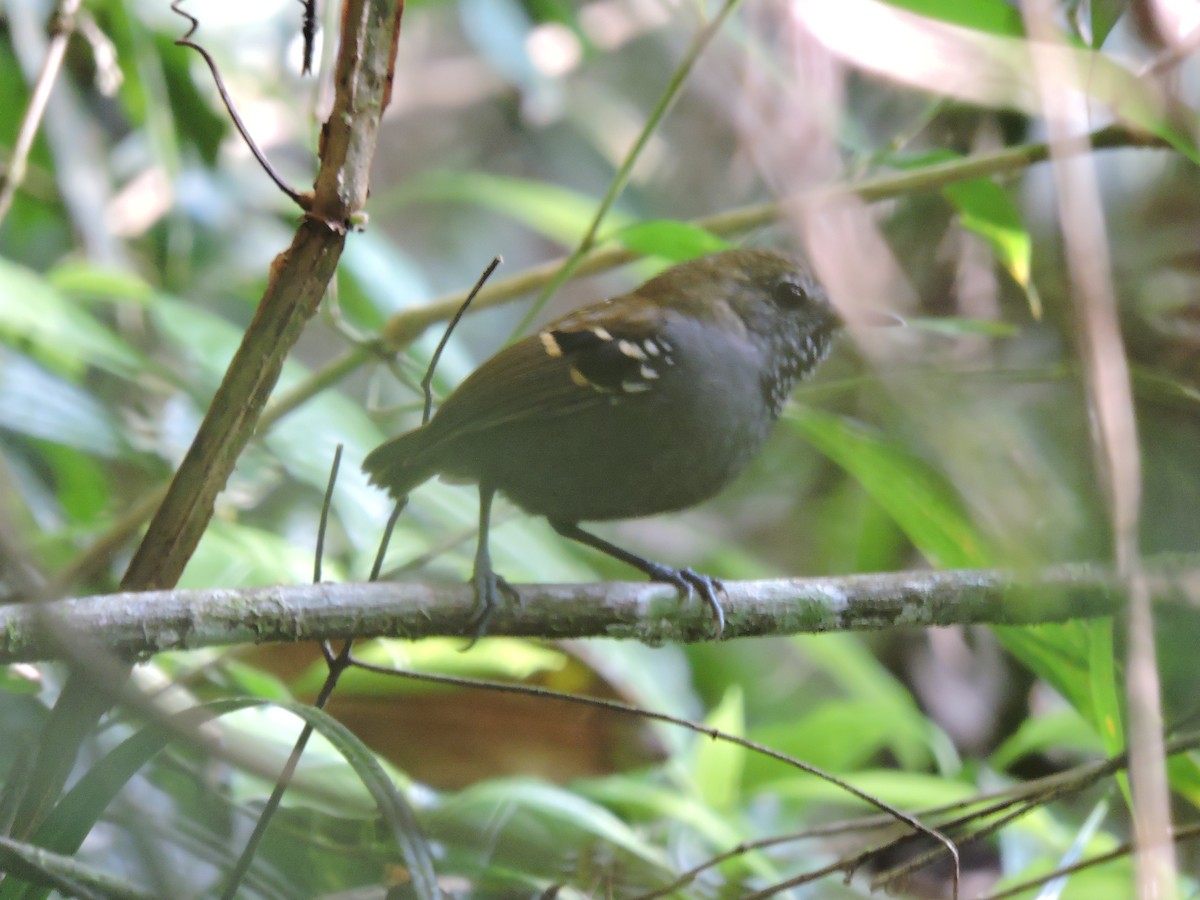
616,706
427,381
304,201
233,883
309,32
337,665
1180,835
62,23
1026,796
388,528
326,506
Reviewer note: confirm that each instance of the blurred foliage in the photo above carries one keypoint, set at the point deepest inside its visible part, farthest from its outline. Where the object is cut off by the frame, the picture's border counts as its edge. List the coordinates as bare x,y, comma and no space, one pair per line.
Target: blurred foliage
139,243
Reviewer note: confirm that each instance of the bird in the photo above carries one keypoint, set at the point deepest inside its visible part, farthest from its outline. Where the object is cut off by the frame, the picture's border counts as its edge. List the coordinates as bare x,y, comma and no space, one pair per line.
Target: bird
645,403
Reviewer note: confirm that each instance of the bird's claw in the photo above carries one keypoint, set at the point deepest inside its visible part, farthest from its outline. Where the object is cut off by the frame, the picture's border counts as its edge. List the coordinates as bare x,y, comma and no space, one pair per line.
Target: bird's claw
688,583
487,586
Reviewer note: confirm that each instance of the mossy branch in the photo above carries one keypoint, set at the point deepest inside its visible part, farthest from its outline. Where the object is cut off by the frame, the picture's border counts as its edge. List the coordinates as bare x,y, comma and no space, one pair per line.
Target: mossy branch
143,623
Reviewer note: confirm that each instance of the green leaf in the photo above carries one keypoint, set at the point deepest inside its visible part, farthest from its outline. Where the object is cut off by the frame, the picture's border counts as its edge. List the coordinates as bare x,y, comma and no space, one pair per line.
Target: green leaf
78,811
236,677
1062,655
192,114
718,764
840,735
61,334
920,500
1105,686
1183,770
377,279
41,871
305,440
926,507
987,209
536,828
80,483
1103,16
20,678
904,790
504,659
1057,731
911,737
992,16
40,404
669,239
394,808
636,799
87,281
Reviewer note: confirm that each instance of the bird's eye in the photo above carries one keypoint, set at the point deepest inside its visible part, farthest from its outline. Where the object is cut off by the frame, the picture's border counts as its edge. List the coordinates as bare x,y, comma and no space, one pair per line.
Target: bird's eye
789,294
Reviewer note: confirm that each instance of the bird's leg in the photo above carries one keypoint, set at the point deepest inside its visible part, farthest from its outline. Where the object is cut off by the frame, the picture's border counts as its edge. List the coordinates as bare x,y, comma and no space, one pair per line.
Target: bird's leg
487,584
686,581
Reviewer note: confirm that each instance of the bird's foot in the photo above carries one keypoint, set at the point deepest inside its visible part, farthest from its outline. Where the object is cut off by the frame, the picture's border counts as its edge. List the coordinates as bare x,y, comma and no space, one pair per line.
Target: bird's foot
688,583
488,588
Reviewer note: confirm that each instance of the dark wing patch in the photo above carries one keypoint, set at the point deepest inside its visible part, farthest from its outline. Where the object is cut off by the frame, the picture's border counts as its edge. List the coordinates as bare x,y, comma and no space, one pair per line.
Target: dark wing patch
608,359
573,365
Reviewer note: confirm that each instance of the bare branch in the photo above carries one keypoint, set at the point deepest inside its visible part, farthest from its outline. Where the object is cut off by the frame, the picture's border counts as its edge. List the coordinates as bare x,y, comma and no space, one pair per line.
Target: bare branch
142,623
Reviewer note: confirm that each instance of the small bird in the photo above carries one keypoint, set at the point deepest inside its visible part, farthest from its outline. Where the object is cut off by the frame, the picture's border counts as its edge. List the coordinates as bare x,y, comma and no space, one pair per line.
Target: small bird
646,403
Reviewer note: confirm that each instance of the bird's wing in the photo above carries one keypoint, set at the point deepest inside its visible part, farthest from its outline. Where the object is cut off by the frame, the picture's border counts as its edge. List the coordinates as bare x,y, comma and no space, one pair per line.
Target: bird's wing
586,359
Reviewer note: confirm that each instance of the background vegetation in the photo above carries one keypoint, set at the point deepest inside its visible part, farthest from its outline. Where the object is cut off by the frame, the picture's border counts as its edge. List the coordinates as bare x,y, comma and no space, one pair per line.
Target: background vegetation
140,241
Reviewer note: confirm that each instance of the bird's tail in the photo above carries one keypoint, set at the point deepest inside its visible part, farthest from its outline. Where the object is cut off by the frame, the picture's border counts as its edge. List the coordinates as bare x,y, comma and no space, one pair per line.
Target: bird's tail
399,465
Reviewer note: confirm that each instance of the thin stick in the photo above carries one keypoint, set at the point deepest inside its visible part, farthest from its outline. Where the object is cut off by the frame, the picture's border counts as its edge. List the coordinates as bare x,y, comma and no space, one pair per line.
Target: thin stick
309,31
304,201
377,567
1180,835
326,503
427,381
714,733
62,23
337,665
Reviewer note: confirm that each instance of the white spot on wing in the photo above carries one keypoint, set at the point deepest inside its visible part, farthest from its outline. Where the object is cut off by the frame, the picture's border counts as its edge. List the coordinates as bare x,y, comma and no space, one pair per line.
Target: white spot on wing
630,349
